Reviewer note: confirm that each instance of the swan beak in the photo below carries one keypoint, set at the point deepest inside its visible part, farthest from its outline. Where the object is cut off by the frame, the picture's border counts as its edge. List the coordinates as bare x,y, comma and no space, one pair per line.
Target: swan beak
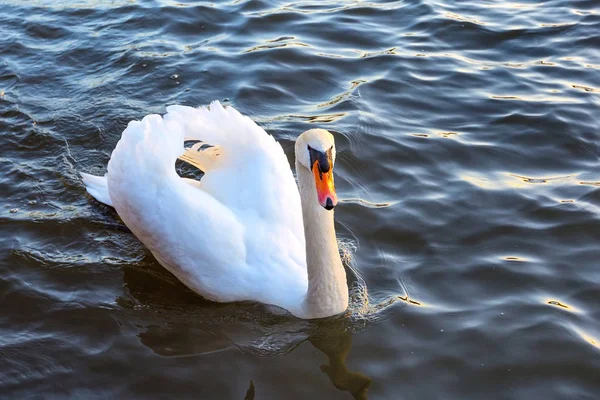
325,188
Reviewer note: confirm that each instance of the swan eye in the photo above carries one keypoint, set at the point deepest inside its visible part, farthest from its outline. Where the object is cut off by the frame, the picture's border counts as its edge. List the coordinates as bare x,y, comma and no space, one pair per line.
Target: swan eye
323,157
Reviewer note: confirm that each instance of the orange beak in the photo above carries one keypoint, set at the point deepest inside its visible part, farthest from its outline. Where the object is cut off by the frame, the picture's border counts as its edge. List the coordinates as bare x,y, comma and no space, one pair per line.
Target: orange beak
325,188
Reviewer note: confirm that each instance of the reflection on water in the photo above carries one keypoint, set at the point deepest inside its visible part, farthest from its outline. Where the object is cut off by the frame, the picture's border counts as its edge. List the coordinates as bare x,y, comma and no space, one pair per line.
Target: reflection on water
333,341
336,346
199,331
467,171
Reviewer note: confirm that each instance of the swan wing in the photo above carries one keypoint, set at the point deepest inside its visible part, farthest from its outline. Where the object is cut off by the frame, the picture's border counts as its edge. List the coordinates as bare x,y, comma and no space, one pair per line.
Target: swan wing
191,233
235,235
199,156
249,171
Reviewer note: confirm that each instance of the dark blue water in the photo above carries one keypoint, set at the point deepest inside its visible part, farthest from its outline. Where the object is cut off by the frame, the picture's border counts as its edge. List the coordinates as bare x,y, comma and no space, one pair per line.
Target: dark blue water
468,138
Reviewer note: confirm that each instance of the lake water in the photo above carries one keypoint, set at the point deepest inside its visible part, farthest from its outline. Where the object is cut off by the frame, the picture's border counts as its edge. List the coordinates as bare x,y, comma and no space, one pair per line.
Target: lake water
468,170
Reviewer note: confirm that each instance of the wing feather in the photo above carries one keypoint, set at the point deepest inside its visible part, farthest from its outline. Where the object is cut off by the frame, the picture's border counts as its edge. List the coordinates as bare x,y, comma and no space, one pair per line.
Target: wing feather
213,234
201,158
251,173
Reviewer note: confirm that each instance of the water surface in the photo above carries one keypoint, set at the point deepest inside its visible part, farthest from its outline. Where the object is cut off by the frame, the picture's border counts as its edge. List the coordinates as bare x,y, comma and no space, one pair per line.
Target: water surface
468,173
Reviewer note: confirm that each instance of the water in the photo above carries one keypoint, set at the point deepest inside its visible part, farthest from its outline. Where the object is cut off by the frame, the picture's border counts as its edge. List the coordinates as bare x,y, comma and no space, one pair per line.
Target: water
468,169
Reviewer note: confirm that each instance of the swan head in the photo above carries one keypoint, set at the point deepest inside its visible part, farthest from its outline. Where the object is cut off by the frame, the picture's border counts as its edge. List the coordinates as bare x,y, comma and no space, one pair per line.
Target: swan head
315,150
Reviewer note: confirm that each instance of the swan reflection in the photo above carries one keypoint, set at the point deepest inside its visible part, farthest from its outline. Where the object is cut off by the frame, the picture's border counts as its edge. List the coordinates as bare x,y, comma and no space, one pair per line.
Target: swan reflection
335,345
336,348
178,323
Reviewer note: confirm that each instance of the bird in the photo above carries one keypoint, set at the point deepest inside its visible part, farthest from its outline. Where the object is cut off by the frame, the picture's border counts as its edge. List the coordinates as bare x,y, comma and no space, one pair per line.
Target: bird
245,231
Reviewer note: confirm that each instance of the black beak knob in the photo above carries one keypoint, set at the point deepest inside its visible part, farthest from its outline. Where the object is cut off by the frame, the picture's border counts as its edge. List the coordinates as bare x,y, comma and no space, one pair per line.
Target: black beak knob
329,204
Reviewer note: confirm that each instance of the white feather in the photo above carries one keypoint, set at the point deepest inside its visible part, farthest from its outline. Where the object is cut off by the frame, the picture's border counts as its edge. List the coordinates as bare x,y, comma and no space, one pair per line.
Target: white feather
238,234
211,234
97,186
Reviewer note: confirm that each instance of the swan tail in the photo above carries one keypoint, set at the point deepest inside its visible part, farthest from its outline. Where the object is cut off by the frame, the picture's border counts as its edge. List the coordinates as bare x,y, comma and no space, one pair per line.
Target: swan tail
97,187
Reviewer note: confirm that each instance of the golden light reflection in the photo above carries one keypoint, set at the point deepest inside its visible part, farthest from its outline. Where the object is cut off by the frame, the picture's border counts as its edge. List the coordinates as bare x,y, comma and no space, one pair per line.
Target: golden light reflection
328,55
537,180
583,12
367,203
460,18
580,61
563,24
590,183
367,54
554,98
272,45
378,307
408,300
513,258
459,136
530,180
504,180
446,134
80,4
513,5
586,88
588,338
479,181
561,305
321,118
341,97
507,97
514,65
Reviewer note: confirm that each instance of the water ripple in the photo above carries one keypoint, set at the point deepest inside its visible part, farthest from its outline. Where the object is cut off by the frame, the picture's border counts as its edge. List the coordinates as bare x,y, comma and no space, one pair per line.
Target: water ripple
467,170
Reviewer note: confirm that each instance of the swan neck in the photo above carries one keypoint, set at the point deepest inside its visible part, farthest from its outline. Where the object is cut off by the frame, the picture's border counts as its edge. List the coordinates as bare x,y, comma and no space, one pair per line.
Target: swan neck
327,292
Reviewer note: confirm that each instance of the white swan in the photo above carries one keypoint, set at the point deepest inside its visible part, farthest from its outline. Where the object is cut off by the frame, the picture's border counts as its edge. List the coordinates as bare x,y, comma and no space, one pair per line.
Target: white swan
244,232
